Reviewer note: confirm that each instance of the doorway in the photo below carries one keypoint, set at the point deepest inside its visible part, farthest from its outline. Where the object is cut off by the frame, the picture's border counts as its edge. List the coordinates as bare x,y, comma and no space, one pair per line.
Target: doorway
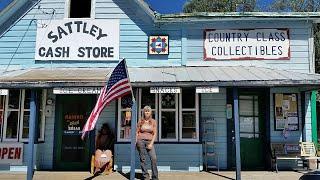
252,121
72,111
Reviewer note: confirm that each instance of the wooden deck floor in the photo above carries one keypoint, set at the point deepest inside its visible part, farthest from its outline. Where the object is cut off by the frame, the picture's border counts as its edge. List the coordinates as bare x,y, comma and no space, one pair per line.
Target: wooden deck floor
222,175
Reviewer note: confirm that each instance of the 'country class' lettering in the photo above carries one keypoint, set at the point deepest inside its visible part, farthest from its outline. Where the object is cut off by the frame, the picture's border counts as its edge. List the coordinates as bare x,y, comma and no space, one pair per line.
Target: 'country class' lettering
76,27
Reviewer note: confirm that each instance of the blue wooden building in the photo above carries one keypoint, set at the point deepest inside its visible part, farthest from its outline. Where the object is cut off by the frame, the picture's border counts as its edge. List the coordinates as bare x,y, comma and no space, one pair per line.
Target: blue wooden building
64,50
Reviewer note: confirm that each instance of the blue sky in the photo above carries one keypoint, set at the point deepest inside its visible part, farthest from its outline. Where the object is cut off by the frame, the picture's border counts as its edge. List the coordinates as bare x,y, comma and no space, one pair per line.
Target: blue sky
4,3
175,6
161,6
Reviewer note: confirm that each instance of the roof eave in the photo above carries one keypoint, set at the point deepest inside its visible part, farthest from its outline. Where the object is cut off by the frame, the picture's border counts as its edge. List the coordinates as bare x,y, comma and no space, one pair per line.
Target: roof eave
232,16
147,9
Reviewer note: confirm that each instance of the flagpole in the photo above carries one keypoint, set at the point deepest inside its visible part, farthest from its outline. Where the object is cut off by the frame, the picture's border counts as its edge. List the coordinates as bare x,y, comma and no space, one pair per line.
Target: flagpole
133,130
125,63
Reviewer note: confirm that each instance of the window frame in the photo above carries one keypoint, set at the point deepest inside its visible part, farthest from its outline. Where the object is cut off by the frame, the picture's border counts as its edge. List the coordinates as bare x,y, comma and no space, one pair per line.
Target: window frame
3,98
158,112
253,98
119,111
67,10
41,113
196,109
176,110
155,111
4,135
21,111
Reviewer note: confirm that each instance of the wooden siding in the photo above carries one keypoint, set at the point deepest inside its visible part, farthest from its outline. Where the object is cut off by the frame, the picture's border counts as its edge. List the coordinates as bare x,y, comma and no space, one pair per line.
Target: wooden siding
294,136
215,105
299,33
134,31
45,150
170,157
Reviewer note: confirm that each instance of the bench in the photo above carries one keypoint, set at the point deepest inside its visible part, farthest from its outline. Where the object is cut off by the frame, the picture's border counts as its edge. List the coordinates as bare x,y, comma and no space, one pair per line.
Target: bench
303,151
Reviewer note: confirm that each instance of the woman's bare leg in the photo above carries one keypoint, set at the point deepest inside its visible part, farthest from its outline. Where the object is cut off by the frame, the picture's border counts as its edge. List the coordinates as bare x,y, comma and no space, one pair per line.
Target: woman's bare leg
97,162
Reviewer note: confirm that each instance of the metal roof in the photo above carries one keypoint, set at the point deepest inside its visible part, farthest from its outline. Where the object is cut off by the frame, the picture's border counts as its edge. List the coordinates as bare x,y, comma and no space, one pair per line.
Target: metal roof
225,16
161,76
232,16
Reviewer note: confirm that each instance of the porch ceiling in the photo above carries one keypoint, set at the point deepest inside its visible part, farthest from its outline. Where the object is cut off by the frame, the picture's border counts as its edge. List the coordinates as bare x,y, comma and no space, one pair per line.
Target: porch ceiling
161,76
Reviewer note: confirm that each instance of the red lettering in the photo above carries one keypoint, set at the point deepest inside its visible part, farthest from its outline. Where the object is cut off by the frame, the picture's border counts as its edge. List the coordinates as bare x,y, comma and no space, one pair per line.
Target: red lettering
10,155
4,152
17,153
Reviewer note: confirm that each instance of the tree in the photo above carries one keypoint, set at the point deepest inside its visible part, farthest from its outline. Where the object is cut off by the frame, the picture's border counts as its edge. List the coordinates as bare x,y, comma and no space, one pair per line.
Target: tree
192,6
302,6
295,5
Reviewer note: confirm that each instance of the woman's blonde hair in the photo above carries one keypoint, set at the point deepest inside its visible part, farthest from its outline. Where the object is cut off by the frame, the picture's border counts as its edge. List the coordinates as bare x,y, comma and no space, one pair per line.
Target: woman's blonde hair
146,108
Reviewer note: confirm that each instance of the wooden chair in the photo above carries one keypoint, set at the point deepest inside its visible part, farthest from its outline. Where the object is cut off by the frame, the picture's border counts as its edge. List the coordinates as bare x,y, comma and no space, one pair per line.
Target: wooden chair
108,169
308,151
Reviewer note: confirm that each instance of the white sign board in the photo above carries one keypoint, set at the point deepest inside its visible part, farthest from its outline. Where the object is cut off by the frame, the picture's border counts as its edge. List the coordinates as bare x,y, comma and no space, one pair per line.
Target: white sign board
4,92
77,39
11,153
246,44
207,89
77,90
165,90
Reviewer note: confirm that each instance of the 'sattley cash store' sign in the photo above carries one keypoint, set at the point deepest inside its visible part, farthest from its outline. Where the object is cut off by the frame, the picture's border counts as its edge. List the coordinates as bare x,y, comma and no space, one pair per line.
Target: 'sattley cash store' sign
246,44
77,39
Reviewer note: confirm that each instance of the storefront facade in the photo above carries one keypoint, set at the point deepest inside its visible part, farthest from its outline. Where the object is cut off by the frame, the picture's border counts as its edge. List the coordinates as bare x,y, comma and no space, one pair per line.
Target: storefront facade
185,67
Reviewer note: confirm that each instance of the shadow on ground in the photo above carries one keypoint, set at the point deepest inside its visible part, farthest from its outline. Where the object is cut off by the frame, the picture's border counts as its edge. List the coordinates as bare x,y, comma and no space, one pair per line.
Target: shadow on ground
127,175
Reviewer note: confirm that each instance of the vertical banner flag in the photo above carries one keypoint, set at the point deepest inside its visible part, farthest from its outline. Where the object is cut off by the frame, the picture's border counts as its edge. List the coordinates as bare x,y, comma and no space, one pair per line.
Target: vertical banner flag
118,86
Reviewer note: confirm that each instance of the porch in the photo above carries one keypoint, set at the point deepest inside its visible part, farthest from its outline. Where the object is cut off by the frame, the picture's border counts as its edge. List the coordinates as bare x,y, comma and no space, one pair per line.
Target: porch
222,175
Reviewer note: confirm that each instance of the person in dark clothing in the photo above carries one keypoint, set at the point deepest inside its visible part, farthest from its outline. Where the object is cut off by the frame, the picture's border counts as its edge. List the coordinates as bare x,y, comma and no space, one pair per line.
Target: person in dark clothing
104,144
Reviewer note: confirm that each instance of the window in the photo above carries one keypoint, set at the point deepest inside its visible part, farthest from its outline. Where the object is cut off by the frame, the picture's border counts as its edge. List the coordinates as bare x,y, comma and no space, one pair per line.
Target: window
124,118
189,115
11,121
177,115
148,99
17,114
25,115
80,8
2,104
249,116
168,113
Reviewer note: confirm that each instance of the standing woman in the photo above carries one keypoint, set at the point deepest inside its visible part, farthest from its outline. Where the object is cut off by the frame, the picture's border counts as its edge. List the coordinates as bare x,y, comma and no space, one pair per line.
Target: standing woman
146,134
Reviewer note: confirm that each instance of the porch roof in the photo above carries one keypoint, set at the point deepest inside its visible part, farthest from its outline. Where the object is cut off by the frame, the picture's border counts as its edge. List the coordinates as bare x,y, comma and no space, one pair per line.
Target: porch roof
161,76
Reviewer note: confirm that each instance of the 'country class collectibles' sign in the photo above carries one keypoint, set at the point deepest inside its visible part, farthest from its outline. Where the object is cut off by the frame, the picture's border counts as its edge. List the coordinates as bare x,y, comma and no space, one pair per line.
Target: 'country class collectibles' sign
246,44
78,39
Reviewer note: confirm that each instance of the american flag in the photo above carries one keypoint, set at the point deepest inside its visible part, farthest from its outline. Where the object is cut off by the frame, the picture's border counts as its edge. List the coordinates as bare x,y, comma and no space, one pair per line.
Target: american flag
117,86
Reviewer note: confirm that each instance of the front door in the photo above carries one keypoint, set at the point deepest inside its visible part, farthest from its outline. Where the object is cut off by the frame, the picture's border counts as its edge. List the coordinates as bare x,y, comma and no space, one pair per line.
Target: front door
72,111
252,133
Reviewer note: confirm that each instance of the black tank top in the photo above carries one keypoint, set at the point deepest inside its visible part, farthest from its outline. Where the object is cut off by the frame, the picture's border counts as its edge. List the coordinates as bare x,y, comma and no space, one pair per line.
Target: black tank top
104,142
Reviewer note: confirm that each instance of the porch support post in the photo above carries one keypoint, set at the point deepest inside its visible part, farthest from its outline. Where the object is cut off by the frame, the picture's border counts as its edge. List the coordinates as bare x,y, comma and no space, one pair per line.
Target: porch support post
237,131
133,140
314,118
32,125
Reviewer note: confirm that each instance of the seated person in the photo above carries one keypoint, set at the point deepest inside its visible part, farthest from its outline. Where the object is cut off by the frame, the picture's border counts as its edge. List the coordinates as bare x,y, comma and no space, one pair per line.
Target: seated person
103,154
